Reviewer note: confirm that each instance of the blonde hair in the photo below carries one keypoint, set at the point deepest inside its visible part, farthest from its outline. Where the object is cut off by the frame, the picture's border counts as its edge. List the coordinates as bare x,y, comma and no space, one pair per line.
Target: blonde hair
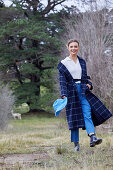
72,40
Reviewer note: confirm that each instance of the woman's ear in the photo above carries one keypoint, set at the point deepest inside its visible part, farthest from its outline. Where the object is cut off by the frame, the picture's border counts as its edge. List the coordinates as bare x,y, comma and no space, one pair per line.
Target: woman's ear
78,47
67,46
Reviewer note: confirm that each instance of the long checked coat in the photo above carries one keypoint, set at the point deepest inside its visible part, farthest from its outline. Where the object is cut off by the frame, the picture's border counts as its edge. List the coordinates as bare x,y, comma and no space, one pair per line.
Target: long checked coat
73,108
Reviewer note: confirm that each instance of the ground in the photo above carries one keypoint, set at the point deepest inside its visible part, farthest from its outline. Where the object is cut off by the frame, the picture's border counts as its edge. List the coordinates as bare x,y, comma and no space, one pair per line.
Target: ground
43,142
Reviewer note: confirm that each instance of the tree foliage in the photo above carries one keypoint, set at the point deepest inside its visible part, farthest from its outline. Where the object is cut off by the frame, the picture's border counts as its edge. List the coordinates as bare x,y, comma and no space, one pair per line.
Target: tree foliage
29,47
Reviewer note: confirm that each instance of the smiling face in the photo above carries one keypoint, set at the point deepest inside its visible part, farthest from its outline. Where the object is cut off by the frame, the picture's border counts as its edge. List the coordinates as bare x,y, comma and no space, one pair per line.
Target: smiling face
73,48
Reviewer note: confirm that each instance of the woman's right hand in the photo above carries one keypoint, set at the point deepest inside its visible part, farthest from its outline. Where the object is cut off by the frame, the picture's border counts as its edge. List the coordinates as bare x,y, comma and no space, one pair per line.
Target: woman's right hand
63,97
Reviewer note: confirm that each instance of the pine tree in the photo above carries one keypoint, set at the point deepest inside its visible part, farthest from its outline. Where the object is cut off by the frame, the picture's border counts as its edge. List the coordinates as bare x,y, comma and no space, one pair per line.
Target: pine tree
29,48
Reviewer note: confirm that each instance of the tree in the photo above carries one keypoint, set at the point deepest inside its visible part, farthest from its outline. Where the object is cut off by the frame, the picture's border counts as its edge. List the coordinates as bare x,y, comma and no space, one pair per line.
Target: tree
29,48
94,31
1,4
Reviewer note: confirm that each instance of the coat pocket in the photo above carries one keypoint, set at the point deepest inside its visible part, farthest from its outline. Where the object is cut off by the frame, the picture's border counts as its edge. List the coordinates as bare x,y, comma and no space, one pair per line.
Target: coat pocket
87,88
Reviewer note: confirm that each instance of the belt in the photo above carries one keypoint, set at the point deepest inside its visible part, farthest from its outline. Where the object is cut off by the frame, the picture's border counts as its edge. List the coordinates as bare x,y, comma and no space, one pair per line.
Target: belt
83,80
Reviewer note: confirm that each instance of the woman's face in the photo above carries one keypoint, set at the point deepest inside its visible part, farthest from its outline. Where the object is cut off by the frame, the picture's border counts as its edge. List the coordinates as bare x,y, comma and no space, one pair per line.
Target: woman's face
73,48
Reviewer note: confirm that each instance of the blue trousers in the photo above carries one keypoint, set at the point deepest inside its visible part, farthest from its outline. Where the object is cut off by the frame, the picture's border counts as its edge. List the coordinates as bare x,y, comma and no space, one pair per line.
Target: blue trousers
86,109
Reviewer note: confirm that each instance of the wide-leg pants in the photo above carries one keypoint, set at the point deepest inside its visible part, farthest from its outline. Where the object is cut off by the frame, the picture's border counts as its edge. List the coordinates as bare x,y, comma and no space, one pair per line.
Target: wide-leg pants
86,109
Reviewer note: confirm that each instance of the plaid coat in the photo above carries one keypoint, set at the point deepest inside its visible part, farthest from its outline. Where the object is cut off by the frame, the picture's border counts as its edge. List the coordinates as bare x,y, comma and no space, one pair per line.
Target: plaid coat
73,108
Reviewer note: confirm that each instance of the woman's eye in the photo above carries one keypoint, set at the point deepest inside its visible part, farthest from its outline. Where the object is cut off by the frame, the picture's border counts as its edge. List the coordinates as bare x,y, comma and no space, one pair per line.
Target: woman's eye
73,46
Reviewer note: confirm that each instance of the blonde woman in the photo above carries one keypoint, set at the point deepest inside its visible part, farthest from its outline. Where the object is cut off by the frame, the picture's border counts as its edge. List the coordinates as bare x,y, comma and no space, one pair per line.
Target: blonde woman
83,109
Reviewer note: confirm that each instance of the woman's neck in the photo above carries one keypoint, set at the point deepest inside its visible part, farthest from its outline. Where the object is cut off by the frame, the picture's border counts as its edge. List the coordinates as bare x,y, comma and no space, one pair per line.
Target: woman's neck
73,57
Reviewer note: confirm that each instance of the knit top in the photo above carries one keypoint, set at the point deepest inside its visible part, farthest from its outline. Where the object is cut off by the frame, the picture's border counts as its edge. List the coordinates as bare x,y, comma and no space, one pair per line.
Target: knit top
74,68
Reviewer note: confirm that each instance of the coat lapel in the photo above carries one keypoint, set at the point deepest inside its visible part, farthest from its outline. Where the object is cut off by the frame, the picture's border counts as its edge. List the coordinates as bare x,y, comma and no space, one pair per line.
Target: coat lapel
82,66
62,68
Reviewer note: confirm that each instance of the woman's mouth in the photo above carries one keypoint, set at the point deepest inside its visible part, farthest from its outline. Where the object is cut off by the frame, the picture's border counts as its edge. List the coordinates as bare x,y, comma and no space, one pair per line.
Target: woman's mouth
73,51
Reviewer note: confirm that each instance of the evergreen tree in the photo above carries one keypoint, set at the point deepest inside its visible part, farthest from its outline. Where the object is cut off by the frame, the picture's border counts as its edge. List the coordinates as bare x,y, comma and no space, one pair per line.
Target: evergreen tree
29,48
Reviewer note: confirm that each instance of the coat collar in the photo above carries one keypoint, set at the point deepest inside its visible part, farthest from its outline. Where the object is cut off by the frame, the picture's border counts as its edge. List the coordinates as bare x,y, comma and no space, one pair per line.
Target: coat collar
62,68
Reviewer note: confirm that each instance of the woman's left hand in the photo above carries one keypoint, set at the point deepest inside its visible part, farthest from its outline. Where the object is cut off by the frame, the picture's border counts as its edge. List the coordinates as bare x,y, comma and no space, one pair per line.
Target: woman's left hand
89,86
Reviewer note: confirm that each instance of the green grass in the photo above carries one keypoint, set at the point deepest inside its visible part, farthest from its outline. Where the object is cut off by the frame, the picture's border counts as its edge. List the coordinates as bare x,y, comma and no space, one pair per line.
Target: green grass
50,136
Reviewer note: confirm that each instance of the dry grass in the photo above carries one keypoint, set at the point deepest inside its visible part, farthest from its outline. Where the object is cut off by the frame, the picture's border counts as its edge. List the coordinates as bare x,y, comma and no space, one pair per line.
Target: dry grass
50,137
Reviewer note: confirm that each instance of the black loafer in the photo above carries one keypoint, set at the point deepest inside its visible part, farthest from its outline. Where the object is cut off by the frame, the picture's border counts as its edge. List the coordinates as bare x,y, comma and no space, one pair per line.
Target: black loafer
94,141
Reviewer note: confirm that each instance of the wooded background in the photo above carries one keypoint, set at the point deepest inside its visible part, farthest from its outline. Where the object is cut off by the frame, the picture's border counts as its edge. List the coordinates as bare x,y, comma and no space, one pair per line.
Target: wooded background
33,39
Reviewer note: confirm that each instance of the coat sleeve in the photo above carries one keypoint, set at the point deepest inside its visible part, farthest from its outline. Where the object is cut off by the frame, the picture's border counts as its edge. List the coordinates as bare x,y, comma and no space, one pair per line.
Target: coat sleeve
63,84
88,82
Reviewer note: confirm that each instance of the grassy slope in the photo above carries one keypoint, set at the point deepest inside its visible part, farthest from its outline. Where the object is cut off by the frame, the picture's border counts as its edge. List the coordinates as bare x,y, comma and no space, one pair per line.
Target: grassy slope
51,135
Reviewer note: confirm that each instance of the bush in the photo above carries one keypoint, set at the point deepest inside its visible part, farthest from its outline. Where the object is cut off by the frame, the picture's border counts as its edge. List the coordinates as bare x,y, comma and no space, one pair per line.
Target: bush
6,105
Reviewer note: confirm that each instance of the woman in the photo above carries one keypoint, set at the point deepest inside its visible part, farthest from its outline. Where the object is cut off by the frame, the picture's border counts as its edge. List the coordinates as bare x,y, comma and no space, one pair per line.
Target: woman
83,109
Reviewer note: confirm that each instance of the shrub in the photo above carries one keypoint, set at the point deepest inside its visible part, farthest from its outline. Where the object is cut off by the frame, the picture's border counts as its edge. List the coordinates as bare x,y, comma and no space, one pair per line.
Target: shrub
6,104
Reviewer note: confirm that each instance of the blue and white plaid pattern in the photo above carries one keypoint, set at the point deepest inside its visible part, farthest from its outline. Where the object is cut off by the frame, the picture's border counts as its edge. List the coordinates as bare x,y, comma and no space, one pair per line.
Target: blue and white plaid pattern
73,109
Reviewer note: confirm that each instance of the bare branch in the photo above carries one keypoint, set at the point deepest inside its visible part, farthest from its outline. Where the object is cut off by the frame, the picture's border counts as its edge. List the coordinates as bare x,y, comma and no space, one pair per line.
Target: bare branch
95,34
51,4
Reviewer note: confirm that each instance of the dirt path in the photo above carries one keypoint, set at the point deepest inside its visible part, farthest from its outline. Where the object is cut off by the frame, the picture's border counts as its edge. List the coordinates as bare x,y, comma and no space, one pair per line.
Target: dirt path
15,161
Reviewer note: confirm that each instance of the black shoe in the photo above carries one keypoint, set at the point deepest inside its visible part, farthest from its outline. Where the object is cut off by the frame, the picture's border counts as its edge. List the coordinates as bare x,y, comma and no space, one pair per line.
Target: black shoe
94,141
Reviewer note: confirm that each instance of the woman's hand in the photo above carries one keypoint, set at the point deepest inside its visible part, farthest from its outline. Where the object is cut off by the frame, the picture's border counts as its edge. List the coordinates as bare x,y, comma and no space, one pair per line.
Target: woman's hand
63,97
89,86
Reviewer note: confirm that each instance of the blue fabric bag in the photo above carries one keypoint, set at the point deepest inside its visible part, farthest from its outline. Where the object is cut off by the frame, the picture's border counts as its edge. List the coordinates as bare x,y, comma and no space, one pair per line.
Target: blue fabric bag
59,104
